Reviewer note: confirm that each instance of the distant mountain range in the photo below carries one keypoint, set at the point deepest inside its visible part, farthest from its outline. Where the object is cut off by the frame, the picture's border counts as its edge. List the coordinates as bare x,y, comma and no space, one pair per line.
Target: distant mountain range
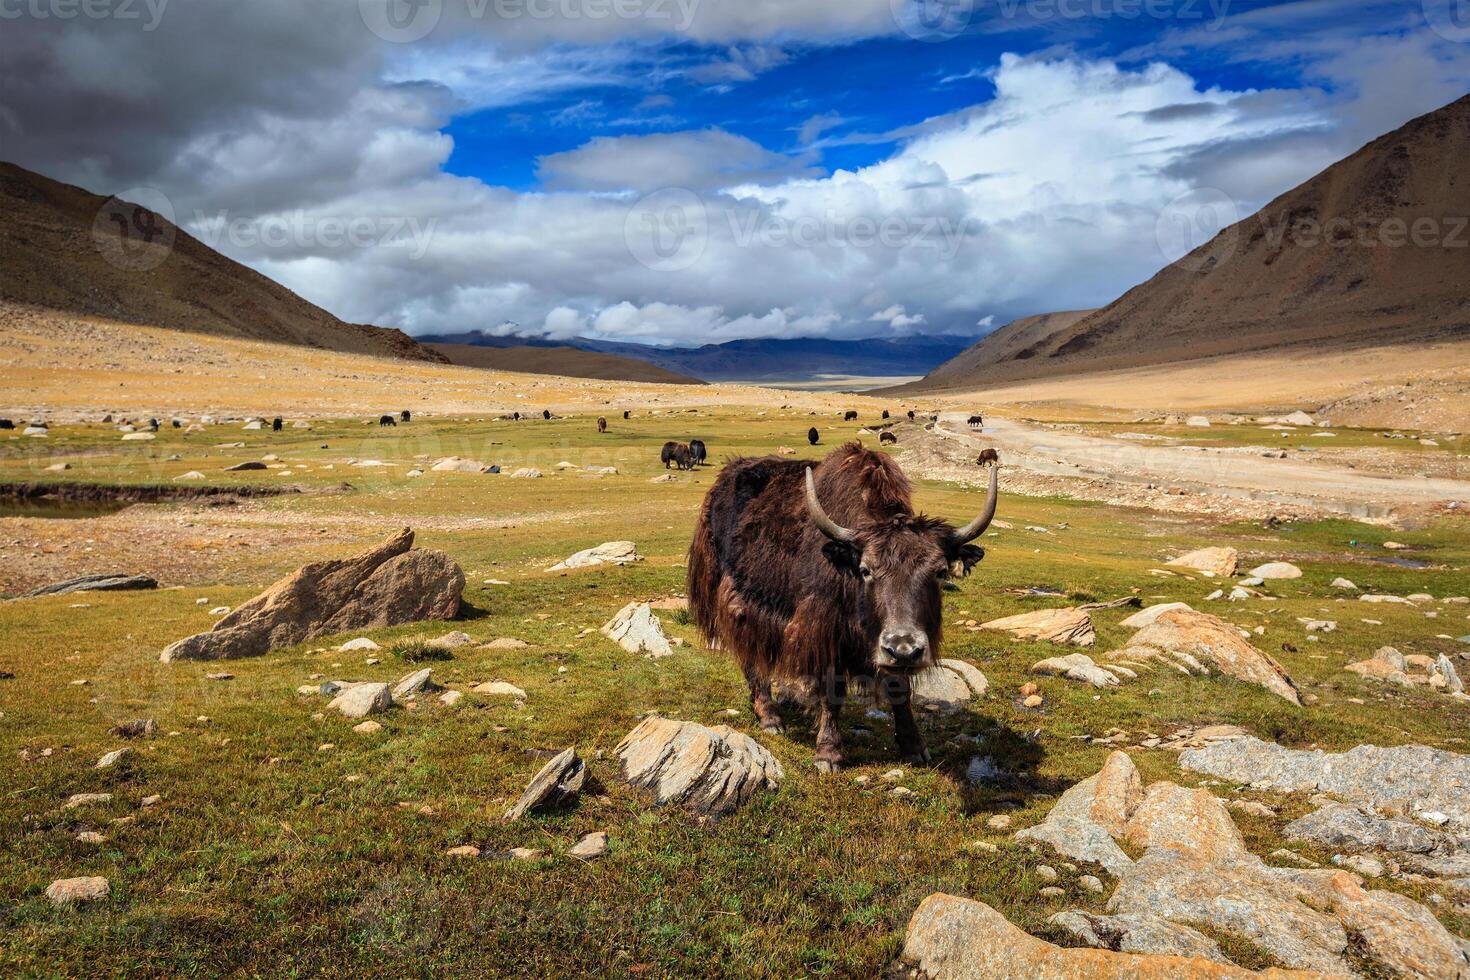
1374,250
753,360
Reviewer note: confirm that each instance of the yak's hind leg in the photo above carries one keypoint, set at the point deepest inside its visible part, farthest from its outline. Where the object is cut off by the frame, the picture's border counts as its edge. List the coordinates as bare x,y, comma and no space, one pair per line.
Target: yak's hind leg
899,692
829,734
761,703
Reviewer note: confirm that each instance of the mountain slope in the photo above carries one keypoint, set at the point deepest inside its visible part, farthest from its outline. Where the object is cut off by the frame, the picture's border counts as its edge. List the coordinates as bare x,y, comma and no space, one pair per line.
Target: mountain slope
1005,344
567,361
765,360
1333,262
64,248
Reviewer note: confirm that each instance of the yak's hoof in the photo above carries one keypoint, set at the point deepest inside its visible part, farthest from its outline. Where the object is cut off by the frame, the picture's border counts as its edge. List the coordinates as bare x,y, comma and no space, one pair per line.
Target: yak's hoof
920,758
773,728
826,767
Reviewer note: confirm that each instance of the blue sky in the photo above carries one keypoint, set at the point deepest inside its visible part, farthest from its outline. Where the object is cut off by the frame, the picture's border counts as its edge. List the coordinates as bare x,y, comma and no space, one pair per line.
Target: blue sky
700,170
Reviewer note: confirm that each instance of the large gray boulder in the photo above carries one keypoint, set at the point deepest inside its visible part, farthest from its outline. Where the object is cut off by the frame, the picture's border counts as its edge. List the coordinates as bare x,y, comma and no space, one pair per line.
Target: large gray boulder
708,770
1409,778
385,586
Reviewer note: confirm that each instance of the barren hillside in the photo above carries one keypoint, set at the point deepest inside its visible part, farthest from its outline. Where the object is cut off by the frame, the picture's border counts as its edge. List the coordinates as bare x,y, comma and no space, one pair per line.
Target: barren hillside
1373,250
67,249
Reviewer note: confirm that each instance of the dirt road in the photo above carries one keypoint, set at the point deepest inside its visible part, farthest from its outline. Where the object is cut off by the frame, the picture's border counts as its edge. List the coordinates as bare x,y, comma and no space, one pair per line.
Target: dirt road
1243,472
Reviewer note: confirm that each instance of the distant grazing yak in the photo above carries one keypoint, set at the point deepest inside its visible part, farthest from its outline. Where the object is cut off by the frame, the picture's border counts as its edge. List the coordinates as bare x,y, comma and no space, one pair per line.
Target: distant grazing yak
794,595
911,415
678,454
849,416
885,413
178,424
697,451
976,421
405,415
988,456
6,424
276,424
546,414
813,436
626,415
601,424
887,439
516,417
386,420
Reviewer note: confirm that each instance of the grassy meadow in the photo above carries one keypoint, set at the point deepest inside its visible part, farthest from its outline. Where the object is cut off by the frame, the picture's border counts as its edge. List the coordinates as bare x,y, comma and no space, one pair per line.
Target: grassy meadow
286,844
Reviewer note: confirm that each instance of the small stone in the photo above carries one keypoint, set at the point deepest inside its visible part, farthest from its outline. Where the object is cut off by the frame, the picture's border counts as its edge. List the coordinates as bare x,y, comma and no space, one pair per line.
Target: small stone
1051,891
1034,701
72,891
450,698
524,854
463,851
153,800
1046,872
1091,883
499,689
87,799
1366,866
367,728
999,821
590,847
112,758
91,837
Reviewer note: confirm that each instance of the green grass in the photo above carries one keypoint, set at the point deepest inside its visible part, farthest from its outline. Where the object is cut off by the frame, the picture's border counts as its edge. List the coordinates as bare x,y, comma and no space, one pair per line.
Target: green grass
268,856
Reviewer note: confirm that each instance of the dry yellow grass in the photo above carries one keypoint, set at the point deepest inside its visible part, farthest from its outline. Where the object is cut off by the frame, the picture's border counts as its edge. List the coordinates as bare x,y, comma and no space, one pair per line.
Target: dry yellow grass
69,366
1265,382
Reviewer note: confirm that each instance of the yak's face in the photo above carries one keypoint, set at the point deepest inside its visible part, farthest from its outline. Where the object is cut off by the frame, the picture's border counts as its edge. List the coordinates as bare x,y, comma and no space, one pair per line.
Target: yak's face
902,568
902,563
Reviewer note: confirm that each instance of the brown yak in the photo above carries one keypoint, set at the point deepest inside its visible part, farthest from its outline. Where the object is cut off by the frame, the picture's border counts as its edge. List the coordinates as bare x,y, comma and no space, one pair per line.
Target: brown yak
601,424
825,575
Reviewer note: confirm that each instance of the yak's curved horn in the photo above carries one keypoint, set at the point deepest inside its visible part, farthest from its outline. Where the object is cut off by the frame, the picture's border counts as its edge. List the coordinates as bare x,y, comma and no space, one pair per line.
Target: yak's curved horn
977,527
828,526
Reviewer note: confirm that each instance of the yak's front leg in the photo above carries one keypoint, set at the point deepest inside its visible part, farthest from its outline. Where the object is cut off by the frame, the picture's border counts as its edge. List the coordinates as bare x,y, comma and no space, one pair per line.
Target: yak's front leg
899,691
762,705
829,735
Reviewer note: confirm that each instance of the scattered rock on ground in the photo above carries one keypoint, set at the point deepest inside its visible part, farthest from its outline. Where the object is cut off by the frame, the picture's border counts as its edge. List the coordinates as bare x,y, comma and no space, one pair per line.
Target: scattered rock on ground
1076,667
1220,562
117,582
1276,570
952,938
1070,627
1195,642
361,700
590,848
503,689
459,464
637,629
1147,616
708,770
76,891
607,553
385,586
558,783
948,685
410,686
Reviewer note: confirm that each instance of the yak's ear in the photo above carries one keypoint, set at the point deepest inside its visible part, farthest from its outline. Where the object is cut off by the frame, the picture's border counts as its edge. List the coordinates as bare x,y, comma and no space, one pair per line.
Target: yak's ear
964,558
844,555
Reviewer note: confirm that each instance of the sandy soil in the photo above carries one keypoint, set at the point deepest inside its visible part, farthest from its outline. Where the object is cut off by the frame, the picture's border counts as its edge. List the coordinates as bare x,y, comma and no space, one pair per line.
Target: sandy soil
1248,481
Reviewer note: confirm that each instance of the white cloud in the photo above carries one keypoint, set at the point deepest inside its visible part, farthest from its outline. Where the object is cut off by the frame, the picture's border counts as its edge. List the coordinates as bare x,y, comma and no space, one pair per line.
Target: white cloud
699,160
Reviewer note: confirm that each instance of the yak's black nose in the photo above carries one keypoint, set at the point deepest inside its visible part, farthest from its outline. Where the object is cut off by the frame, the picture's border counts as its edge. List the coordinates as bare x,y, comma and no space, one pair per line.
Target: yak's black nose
904,646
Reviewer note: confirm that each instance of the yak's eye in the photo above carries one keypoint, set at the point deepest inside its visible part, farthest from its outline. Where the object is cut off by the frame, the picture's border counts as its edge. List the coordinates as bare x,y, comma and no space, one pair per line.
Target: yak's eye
942,574
865,571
